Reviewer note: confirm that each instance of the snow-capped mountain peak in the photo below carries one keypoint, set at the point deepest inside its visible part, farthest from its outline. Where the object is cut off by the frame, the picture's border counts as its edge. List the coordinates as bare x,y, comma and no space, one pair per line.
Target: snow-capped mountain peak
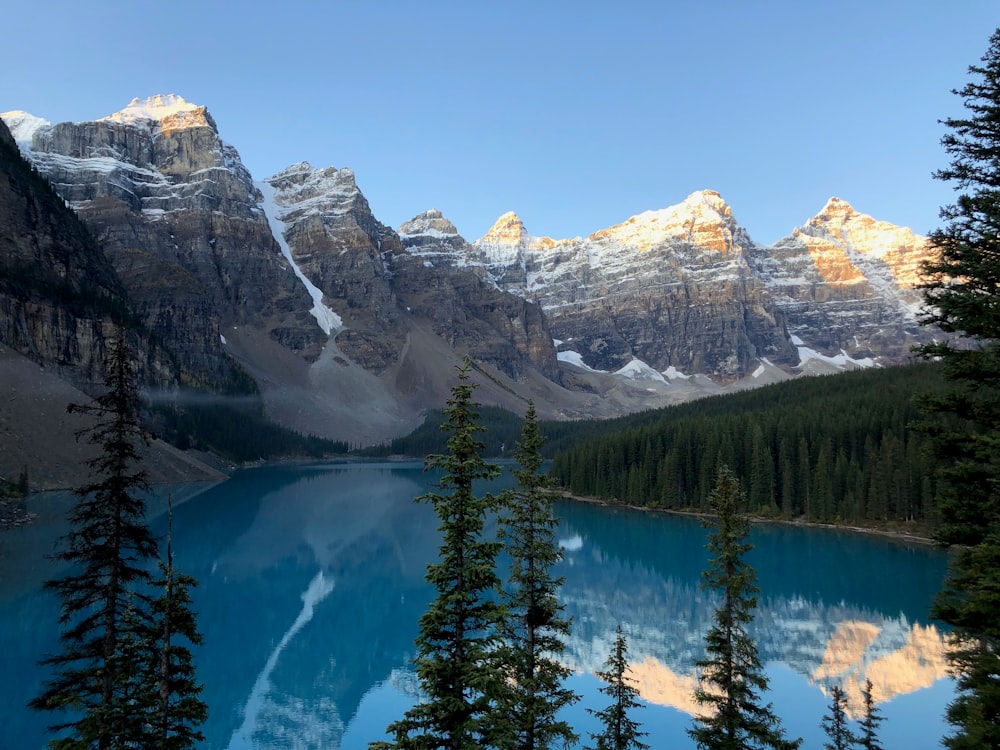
23,125
304,188
838,226
152,108
509,231
703,219
170,111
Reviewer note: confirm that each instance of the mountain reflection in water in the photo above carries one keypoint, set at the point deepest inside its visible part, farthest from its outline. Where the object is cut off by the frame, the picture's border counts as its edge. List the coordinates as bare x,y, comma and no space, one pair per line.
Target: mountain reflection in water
312,584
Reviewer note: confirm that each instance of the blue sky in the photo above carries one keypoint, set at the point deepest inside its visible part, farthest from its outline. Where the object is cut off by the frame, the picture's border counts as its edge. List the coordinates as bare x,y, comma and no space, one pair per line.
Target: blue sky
576,115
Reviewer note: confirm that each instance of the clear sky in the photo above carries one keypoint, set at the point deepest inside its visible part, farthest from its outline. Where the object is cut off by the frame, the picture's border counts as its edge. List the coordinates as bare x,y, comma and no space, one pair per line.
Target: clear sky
576,114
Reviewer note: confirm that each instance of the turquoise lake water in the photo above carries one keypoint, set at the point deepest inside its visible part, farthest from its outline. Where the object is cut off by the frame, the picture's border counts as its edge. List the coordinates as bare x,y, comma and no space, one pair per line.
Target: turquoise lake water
311,585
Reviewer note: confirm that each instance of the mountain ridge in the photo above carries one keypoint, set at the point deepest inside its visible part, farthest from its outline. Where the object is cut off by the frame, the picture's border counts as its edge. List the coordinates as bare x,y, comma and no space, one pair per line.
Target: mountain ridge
295,268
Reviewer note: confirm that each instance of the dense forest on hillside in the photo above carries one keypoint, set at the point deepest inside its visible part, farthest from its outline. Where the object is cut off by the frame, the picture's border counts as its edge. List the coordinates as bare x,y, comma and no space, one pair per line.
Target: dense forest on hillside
503,429
235,429
827,449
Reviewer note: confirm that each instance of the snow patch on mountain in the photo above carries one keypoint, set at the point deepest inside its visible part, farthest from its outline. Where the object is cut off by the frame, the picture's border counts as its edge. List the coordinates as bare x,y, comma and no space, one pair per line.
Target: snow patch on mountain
575,358
841,361
154,108
639,370
327,319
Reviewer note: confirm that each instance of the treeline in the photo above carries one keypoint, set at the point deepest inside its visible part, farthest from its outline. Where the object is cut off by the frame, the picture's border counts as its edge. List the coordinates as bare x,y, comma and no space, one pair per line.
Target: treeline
235,429
827,449
503,428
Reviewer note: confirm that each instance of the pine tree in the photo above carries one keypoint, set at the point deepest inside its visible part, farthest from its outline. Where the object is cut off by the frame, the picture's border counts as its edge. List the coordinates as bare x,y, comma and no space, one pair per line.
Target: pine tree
620,731
534,628
177,707
457,635
962,291
109,549
835,723
732,678
870,721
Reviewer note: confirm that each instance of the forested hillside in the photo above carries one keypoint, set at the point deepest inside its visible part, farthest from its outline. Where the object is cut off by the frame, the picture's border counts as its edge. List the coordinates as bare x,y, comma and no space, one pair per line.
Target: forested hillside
835,448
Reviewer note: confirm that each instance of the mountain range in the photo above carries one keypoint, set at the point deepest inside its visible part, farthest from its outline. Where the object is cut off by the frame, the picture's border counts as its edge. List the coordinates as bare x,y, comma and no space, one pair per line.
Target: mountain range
290,290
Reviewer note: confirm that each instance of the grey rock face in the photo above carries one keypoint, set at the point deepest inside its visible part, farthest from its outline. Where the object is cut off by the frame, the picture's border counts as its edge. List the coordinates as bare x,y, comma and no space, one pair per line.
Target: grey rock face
686,288
848,283
283,266
672,288
177,213
440,277
57,290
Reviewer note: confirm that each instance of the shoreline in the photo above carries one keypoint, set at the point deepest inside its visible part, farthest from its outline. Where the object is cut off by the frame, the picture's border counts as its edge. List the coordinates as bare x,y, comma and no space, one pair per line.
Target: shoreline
897,535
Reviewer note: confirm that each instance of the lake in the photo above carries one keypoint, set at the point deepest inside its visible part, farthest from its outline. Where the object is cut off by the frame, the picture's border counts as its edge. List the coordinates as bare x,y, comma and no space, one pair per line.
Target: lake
311,585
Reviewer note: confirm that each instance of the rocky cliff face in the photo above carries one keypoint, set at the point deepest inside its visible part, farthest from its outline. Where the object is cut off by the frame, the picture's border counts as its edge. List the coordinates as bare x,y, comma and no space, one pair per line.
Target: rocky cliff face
60,300
435,281
378,282
175,210
686,290
672,288
350,329
848,283
341,248
57,289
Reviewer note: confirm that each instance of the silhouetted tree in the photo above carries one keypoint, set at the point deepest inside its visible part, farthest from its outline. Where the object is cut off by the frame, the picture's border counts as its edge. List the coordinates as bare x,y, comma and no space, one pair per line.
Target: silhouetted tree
177,706
732,678
620,730
534,628
835,723
963,294
870,721
458,631
108,549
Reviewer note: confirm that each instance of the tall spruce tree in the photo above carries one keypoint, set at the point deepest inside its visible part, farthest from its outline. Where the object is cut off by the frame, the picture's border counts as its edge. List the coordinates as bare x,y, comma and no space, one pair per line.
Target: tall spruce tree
176,708
962,291
835,723
732,678
458,632
109,550
870,721
620,731
534,628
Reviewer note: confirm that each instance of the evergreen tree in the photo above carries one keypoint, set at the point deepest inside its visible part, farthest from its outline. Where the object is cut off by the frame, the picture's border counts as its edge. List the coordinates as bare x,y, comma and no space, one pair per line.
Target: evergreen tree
963,295
835,723
458,631
870,721
108,550
177,707
534,628
620,731
732,678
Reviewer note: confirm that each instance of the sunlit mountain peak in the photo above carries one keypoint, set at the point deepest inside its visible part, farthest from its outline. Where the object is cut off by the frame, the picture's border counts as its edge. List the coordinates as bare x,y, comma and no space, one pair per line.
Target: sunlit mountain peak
170,111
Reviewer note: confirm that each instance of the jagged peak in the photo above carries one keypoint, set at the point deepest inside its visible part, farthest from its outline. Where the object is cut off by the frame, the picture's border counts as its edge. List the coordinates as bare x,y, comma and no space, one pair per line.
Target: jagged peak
170,111
838,217
299,168
507,230
303,172
152,108
835,209
430,222
702,218
711,199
